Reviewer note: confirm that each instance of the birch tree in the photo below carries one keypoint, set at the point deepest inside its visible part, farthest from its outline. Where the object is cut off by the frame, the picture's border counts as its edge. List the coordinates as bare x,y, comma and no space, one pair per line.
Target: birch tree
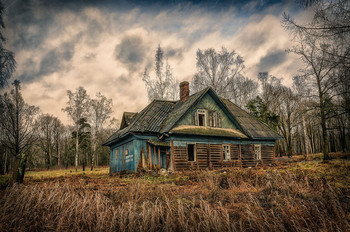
219,70
77,108
101,110
163,85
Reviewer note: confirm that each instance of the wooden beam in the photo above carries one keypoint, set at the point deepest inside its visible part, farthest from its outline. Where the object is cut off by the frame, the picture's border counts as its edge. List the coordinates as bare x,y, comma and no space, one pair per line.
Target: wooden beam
240,154
222,156
155,155
159,157
149,153
172,154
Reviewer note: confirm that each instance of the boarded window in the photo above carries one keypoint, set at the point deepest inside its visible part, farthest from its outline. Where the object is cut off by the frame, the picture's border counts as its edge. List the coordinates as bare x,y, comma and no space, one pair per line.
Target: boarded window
257,152
226,152
190,152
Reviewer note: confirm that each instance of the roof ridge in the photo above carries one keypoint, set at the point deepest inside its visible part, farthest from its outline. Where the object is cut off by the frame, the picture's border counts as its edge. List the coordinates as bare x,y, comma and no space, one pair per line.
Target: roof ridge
164,100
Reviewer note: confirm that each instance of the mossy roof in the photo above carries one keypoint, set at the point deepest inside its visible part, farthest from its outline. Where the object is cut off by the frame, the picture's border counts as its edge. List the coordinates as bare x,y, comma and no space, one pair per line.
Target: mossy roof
209,131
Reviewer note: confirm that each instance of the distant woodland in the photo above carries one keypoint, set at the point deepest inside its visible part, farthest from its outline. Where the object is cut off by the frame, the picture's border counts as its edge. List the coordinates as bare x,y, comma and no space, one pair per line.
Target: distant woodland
312,114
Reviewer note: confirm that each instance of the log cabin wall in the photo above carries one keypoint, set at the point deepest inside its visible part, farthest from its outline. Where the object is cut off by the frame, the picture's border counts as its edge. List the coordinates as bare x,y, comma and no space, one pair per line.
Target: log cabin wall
267,154
211,156
248,159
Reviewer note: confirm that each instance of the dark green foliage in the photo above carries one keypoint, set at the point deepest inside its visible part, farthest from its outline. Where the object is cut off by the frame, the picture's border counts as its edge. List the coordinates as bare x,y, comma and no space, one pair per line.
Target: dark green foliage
260,110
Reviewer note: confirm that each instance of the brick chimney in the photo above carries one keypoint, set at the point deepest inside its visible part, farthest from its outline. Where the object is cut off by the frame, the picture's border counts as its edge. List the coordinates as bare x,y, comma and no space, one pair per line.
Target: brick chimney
184,91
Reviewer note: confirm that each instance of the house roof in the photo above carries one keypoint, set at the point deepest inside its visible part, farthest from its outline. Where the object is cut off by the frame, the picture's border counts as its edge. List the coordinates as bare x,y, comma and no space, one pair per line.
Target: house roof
250,125
127,118
161,116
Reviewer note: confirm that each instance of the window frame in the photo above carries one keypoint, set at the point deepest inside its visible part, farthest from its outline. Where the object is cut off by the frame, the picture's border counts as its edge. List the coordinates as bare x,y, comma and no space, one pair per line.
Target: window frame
224,158
204,113
257,152
194,152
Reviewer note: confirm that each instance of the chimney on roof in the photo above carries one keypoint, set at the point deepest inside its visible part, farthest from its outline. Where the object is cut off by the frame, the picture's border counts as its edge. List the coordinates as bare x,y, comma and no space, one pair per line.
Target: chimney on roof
184,91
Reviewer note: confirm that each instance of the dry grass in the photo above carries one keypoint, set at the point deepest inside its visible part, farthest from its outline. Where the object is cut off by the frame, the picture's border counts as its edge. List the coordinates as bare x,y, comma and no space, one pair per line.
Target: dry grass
289,197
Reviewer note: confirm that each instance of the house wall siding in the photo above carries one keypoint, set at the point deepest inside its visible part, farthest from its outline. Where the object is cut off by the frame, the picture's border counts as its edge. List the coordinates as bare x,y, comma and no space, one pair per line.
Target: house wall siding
207,102
211,156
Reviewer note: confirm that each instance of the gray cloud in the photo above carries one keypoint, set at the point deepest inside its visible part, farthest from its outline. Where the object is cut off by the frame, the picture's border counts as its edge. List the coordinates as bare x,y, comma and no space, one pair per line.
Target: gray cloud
131,52
176,53
56,59
271,60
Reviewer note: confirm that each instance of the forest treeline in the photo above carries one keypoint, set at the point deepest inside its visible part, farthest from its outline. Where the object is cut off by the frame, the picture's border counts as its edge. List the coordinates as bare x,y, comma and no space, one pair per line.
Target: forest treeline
30,139
312,114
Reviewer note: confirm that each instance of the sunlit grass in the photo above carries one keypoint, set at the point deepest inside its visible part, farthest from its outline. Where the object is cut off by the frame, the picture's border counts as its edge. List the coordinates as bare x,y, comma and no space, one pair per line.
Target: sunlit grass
97,173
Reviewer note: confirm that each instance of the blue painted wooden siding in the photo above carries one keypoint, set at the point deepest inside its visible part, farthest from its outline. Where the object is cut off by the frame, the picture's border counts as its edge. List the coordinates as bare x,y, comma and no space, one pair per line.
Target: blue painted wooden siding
120,162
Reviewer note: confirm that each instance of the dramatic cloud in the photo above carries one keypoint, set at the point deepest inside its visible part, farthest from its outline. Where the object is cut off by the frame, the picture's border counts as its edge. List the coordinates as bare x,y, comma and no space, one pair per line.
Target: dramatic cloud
131,51
105,45
272,59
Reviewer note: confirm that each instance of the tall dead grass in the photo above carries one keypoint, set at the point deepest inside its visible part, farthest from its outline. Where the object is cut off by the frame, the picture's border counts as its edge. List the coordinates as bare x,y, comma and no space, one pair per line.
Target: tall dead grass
232,200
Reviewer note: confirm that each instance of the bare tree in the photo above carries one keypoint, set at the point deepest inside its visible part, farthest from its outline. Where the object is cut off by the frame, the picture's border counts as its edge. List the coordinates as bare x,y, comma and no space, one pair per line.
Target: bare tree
7,58
101,110
218,70
319,70
330,22
163,85
50,129
17,123
243,90
77,108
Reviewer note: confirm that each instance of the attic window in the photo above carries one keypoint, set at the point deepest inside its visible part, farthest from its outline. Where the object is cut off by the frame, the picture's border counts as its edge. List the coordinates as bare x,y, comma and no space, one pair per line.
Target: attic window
201,118
214,119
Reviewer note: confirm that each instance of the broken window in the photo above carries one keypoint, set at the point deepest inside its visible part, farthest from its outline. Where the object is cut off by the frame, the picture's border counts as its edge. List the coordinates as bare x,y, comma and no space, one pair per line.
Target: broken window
226,152
201,119
257,152
214,119
191,152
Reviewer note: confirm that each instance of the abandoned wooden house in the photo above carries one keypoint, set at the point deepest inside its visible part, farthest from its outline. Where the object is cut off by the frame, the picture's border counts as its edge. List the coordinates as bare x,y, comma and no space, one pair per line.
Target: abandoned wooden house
197,132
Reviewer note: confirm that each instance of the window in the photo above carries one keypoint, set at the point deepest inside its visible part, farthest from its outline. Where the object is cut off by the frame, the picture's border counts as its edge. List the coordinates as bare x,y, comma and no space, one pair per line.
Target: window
214,119
226,152
201,119
191,152
257,152
126,152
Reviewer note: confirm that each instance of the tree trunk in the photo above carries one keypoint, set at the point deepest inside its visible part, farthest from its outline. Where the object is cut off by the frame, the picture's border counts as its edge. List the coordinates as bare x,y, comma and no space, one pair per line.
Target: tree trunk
84,158
21,169
58,154
306,144
5,161
93,158
76,149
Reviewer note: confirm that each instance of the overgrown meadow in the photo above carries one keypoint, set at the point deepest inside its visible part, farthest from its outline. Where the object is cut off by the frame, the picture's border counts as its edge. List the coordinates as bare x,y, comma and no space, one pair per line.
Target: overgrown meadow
293,196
